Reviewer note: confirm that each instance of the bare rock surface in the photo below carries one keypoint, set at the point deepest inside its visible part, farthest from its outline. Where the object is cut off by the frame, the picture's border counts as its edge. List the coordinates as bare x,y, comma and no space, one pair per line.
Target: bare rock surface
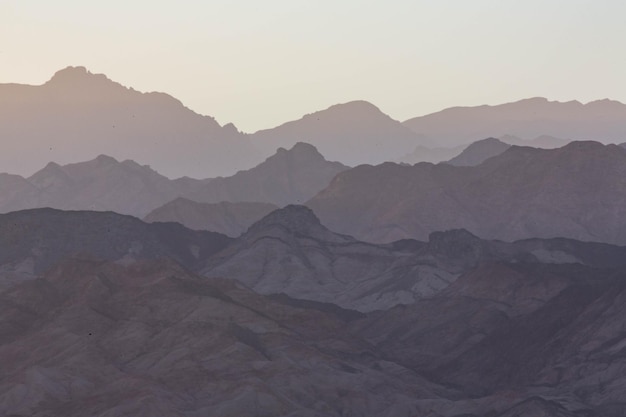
291,252
125,328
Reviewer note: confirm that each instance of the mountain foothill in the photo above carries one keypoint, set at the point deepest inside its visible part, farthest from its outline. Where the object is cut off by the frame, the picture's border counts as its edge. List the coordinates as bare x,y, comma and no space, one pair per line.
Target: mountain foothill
466,263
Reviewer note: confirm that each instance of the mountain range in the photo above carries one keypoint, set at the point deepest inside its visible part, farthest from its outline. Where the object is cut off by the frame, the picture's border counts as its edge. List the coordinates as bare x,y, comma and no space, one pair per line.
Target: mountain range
104,184
122,325
77,115
577,191
466,263
601,120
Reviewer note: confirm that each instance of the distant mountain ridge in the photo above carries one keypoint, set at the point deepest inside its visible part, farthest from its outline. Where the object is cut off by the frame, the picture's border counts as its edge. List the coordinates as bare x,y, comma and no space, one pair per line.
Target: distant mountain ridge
601,120
103,184
577,191
77,115
353,133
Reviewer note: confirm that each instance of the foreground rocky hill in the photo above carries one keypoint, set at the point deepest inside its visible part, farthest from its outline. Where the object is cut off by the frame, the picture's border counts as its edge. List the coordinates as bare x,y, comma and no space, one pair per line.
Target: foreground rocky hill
524,329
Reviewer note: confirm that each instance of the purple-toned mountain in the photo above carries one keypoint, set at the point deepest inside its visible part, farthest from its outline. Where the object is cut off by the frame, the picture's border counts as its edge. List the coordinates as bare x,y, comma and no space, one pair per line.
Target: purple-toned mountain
105,184
578,191
231,219
478,152
530,328
78,115
353,133
602,120
287,177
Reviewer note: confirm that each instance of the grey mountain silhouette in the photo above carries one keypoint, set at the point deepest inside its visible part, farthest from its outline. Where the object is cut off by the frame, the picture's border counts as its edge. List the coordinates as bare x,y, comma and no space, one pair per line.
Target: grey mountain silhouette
105,184
288,176
353,133
602,120
577,191
78,115
477,152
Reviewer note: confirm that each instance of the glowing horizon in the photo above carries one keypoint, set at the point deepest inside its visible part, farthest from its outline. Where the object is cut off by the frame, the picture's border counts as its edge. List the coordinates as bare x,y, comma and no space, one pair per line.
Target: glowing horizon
260,65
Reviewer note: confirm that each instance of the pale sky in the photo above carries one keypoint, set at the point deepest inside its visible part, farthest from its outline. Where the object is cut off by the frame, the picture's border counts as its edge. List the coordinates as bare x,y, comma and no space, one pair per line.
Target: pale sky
261,63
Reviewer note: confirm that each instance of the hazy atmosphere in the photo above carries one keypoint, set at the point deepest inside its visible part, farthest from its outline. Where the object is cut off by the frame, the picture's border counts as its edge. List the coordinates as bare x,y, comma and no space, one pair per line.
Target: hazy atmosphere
259,64
313,208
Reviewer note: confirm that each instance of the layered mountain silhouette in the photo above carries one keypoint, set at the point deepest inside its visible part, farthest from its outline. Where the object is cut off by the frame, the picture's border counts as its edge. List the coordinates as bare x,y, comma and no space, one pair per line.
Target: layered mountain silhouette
105,184
542,141
231,219
121,325
478,152
576,191
601,120
487,147
482,275
78,115
289,176
353,133
430,154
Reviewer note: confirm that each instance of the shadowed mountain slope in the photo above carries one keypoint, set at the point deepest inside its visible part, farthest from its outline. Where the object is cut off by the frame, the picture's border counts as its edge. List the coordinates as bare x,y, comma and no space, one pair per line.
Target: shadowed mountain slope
525,328
34,240
288,176
104,184
152,339
577,191
289,251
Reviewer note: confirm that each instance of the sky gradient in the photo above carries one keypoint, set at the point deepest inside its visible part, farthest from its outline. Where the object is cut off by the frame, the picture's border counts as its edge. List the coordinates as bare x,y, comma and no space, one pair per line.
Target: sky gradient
258,64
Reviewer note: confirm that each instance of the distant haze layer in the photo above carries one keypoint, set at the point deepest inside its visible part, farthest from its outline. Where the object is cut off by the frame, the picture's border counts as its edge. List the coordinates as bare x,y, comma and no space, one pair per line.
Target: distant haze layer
77,115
